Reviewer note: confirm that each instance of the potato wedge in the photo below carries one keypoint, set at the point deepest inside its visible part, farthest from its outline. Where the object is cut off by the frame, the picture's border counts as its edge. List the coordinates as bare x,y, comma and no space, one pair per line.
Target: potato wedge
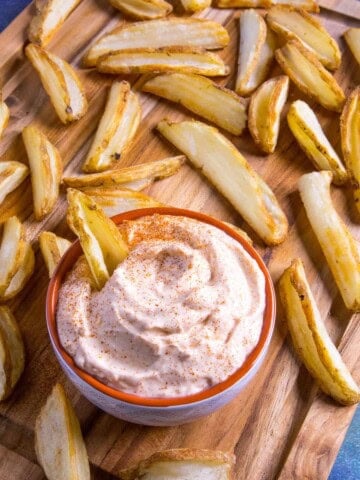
49,16
230,173
338,245
143,9
116,129
151,170
350,140
309,75
313,142
12,174
61,83
310,338
193,6
4,116
352,37
265,108
167,59
308,5
178,464
290,23
59,444
203,97
52,248
190,32
12,251
22,274
101,241
46,170
137,185
12,354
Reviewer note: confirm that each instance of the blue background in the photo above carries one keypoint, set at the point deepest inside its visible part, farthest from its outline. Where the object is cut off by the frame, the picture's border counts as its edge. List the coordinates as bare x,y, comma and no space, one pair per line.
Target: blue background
347,465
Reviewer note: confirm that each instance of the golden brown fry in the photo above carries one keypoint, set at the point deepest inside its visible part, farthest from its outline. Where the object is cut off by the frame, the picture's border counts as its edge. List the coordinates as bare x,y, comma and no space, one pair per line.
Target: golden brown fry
12,251
12,174
49,16
4,116
58,439
310,338
52,248
312,140
143,9
101,241
46,170
162,60
22,275
116,129
203,97
265,108
308,5
290,23
151,170
230,173
61,83
181,463
352,37
309,75
190,32
195,5
338,245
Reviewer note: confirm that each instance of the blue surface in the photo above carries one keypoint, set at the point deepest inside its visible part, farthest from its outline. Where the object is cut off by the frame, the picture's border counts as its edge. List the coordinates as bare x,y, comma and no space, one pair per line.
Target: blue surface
347,465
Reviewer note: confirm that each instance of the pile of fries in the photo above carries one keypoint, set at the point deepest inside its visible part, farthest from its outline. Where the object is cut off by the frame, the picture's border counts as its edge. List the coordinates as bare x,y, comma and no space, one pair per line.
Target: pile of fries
177,56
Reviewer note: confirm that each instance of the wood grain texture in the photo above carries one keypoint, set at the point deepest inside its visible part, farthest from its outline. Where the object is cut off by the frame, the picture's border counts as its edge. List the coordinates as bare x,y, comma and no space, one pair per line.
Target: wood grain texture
269,424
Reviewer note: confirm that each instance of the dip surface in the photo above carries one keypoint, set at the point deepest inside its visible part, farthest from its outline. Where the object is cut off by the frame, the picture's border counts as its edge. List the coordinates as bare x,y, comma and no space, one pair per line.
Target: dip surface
180,314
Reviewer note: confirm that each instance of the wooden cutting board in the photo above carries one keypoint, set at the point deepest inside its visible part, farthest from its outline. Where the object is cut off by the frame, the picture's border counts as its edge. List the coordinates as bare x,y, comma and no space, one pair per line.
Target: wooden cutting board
280,426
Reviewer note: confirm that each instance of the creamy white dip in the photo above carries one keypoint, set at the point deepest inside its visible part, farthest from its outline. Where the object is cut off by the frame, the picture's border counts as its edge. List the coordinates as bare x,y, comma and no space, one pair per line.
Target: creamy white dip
180,314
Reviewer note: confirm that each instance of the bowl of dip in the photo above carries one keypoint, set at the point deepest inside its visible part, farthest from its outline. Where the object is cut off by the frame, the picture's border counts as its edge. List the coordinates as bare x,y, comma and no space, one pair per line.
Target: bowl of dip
179,329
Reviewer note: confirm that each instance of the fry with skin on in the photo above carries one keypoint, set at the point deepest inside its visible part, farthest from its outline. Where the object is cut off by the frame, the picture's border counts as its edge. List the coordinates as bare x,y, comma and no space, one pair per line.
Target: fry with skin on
144,171
12,251
192,6
309,75
12,174
58,439
61,83
190,32
308,5
49,16
312,140
310,338
4,115
203,97
230,173
101,241
143,9
22,275
46,170
290,23
266,105
350,140
352,37
52,248
338,245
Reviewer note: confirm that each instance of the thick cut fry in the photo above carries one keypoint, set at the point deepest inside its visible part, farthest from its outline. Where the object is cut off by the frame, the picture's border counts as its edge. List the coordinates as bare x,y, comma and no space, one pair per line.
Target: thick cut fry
190,32
195,5
162,60
52,248
46,170
352,37
101,241
22,274
61,83
143,9
350,140
308,5
290,23
12,251
151,170
116,129
309,75
265,108
312,140
203,97
4,116
12,355
12,174
50,15
183,463
310,338
59,444
230,173
339,247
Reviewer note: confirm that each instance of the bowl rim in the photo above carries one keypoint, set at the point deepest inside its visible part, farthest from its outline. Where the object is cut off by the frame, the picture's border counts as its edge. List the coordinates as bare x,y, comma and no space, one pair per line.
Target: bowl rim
75,250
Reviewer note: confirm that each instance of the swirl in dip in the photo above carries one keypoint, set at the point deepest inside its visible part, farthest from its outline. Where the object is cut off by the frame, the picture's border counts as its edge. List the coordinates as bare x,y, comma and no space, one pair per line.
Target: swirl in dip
179,314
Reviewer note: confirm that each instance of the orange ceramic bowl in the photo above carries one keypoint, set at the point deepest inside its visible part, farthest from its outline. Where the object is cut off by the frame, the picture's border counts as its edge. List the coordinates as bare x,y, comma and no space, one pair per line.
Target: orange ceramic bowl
160,411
